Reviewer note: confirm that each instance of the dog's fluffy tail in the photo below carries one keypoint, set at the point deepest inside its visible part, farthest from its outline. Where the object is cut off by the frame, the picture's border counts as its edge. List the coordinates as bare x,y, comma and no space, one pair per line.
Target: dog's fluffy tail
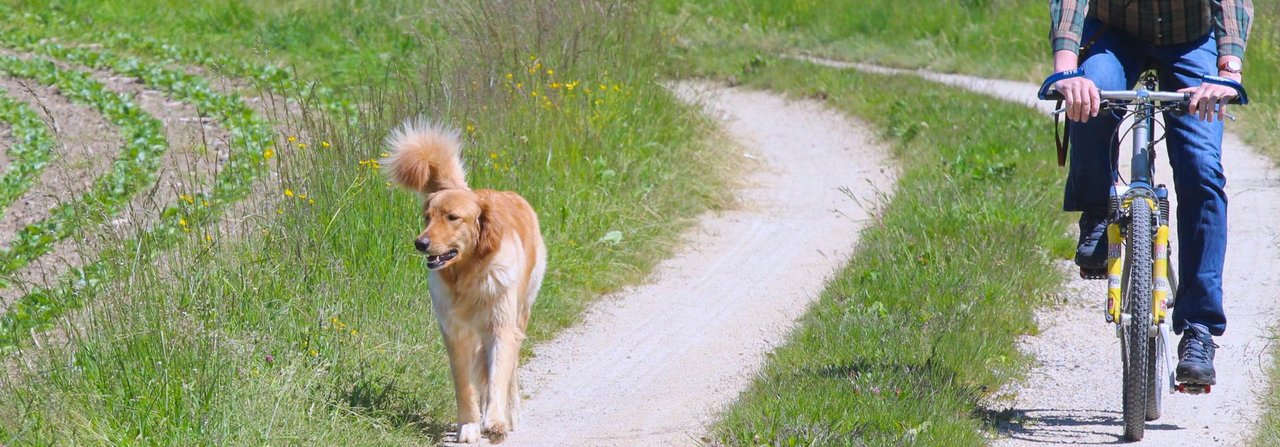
425,157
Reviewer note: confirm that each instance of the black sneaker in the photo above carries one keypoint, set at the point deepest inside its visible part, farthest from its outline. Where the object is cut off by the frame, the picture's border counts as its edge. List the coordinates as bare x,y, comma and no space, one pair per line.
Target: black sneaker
1091,251
1195,354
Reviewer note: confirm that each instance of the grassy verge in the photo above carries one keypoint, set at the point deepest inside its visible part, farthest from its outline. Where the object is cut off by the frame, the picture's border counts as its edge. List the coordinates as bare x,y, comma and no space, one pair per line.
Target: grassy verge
919,329
311,326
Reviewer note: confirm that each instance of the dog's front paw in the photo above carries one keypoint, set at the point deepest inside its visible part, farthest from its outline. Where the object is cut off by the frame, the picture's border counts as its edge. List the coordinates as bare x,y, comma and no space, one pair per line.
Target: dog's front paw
496,430
469,433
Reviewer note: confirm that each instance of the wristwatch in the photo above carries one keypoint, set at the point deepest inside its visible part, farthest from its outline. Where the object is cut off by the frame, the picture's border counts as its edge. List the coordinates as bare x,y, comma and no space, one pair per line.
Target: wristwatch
1231,66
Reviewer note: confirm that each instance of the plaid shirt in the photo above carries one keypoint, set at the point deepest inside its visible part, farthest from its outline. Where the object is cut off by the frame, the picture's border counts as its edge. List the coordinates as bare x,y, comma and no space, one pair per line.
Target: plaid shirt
1161,22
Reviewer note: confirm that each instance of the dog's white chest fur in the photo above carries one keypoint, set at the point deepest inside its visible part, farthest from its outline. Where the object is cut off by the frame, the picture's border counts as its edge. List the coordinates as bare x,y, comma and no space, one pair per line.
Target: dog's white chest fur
493,285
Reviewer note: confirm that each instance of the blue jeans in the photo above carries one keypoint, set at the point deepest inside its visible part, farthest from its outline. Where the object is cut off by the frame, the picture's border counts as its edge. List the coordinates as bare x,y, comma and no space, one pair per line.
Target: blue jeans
1195,149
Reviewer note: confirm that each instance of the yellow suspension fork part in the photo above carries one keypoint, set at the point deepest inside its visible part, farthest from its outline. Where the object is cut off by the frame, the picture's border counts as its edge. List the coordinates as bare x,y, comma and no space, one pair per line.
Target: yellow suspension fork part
1160,258
1114,271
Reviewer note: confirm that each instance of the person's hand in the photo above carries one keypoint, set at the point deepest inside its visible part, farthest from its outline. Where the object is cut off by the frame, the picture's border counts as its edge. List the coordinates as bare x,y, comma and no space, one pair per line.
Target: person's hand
1082,98
1205,96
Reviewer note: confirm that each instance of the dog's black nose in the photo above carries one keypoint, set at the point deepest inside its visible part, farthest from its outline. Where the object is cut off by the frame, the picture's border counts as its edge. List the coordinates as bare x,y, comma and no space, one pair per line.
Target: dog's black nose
422,244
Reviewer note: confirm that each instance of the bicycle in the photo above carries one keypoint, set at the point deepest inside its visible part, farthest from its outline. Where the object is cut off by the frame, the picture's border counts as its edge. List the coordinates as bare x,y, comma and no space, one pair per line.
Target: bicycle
1140,278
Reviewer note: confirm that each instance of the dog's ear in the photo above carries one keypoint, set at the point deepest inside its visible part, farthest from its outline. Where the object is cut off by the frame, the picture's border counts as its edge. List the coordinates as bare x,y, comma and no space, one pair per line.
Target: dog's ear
490,222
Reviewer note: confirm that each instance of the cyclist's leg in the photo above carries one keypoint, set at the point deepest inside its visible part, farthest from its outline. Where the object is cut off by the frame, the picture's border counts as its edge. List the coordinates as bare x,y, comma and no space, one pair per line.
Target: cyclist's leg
1113,63
1195,150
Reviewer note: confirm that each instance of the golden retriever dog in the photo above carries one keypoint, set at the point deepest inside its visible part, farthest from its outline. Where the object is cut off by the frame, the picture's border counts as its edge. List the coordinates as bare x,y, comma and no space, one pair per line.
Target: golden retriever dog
486,260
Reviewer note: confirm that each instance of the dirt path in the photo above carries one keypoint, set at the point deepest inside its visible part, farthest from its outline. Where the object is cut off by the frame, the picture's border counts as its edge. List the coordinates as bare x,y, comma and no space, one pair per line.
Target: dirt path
653,364
1073,394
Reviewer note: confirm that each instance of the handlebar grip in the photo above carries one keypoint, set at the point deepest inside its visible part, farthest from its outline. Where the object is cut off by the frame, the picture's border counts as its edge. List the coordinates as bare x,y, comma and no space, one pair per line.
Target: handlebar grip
1046,89
1241,98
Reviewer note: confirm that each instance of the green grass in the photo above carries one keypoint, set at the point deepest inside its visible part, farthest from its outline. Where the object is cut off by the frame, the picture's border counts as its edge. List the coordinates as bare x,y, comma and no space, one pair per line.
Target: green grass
307,322
919,330
341,42
1002,38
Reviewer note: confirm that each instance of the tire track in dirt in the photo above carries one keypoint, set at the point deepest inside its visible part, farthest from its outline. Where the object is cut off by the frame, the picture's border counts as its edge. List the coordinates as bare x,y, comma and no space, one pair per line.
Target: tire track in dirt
1072,395
654,364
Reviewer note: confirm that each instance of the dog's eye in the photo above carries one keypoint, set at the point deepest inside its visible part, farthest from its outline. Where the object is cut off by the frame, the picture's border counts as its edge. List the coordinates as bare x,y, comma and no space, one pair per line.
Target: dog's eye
452,217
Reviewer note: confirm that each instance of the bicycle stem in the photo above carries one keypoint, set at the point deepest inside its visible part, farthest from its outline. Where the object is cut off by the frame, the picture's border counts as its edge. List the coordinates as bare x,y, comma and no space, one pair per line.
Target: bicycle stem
1140,167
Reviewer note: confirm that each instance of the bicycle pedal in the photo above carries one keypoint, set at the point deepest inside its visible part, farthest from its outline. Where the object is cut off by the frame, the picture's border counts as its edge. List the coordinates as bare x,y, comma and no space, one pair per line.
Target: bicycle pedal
1093,273
1194,388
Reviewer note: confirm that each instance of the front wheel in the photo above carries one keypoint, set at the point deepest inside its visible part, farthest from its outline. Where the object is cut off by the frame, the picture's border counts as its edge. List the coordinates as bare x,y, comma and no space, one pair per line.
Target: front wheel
1136,336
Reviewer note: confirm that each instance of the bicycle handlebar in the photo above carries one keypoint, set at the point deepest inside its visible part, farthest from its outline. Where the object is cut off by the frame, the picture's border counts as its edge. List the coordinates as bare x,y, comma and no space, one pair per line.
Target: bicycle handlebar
1049,92
1134,95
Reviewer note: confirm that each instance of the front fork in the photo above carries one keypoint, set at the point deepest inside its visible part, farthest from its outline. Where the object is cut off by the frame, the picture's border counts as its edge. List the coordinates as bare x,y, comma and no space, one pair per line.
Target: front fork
1160,259
1159,255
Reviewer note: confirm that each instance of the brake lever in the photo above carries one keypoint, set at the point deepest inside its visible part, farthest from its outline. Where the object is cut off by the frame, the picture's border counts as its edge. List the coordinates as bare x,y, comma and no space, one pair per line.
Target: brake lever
1182,110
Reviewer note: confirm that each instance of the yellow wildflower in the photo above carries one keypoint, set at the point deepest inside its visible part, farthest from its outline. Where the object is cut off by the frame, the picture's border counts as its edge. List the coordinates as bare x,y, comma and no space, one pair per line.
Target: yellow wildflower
267,154
288,192
292,138
550,72
471,128
324,144
493,155
302,145
187,198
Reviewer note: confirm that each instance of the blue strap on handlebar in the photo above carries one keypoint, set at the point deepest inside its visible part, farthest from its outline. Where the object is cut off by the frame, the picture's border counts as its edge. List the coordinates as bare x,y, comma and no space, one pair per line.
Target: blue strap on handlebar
1054,78
1219,80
